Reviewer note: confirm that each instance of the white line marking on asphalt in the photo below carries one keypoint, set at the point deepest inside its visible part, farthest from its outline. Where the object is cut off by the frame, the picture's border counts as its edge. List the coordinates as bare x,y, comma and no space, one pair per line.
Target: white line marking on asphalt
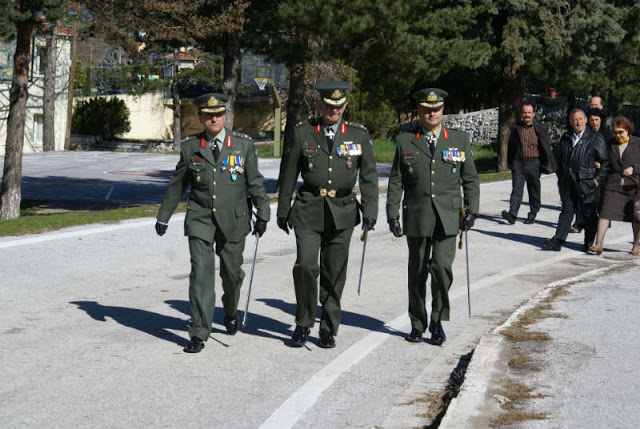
288,414
109,193
80,233
307,395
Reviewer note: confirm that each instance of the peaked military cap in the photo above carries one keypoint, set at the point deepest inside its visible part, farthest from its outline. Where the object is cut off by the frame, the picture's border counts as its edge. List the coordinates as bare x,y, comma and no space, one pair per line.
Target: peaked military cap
431,98
211,103
333,92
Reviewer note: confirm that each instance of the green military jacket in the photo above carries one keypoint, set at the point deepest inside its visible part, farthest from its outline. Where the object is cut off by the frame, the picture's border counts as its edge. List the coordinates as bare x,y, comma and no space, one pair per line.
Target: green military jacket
218,189
431,183
336,172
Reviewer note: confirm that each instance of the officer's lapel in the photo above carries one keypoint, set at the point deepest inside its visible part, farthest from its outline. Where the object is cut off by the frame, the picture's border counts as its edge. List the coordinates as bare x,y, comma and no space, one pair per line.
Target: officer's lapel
205,149
320,138
419,141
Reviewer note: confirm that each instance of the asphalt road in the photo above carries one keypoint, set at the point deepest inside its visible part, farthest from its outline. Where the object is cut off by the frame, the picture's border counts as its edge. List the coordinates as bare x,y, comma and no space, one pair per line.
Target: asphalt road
93,319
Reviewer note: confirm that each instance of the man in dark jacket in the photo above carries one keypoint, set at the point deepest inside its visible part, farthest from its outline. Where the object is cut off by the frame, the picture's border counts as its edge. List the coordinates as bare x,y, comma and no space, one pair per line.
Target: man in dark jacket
528,154
578,178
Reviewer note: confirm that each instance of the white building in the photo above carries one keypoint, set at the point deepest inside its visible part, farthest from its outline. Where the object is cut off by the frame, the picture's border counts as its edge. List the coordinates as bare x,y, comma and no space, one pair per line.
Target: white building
34,116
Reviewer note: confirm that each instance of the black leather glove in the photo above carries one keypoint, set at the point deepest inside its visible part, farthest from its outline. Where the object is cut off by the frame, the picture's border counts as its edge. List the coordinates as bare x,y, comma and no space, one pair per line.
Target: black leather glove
468,220
394,227
368,223
259,227
283,224
161,228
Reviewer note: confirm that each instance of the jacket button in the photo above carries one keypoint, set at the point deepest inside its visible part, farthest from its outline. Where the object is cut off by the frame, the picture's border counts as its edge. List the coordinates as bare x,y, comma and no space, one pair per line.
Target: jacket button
331,157
214,170
330,169
214,197
214,210
432,196
328,182
433,184
433,161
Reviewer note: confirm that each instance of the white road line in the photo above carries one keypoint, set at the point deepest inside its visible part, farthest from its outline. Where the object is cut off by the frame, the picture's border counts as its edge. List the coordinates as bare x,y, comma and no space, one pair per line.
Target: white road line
83,232
288,414
109,193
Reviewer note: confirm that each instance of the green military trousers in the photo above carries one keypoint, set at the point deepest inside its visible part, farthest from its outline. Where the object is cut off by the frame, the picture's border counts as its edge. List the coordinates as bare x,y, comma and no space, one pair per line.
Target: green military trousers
333,247
202,295
430,255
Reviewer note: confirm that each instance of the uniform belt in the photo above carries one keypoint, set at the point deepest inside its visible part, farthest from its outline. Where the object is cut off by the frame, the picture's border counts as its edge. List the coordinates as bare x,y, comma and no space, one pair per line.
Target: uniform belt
316,191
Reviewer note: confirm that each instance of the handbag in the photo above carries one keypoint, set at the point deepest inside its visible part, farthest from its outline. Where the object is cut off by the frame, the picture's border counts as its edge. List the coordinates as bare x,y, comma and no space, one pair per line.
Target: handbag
636,205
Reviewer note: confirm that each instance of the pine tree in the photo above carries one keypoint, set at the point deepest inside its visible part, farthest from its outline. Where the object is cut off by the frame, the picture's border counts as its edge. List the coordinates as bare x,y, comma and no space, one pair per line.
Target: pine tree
21,16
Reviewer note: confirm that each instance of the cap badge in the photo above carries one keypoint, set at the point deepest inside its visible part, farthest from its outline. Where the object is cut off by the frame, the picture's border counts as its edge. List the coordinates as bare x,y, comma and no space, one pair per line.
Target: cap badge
336,94
213,101
432,96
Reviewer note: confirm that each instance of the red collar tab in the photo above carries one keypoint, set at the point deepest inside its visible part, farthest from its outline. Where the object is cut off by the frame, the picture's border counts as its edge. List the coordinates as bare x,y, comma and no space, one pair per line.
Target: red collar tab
445,133
203,143
343,128
318,128
228,144
417,137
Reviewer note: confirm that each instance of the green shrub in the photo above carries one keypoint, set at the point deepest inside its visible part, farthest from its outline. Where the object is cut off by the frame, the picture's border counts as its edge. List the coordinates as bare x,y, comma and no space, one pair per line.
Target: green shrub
101,117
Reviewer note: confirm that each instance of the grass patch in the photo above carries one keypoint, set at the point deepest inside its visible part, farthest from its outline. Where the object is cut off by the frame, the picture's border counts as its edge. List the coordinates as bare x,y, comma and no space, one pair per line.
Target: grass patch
36,217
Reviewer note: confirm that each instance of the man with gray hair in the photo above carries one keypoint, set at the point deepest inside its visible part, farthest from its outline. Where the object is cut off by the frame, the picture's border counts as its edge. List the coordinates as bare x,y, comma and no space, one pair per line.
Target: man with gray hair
578,178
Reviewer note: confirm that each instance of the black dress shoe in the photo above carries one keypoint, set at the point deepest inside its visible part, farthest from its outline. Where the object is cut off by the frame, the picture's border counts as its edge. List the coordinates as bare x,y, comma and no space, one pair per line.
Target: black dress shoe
194,345
553,244
415,336
437,333
231,323
326,339
530,220
299,336
508,217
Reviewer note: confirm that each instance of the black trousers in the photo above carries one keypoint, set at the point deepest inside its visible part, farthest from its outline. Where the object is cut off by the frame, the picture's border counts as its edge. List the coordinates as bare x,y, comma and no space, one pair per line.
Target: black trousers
531,176
571,204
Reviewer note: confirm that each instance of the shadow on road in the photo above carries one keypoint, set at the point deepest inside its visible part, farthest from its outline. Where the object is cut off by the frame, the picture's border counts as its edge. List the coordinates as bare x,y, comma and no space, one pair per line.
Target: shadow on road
154,324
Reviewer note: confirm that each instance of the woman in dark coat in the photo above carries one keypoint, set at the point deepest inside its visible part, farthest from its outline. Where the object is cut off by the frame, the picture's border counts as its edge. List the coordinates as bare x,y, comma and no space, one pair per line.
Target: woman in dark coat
622,183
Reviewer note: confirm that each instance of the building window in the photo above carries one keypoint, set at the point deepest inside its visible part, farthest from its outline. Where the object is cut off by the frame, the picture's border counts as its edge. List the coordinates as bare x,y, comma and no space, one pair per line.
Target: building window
39,60
38,128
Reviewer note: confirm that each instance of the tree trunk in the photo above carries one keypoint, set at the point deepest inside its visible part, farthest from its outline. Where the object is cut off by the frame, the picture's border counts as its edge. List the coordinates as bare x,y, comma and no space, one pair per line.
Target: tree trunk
230,75
511,94
12,173
49,105
175,92
294,102
72,82
294,107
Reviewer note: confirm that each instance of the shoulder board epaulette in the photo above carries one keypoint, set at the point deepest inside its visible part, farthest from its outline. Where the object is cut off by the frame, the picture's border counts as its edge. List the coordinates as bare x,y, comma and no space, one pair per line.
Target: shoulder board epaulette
193,136
355,125
410,127
241,135
311,121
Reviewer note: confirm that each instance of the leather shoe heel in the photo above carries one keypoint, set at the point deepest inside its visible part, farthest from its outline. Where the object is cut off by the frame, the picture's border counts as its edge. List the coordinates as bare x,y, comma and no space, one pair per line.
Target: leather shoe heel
194,345
231,323
437,333
326,339
300,335
508,217
415,336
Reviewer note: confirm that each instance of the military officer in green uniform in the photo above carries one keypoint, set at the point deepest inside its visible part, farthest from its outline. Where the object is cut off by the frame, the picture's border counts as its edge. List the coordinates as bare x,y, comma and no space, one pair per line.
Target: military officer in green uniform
219,165
331,154
430,166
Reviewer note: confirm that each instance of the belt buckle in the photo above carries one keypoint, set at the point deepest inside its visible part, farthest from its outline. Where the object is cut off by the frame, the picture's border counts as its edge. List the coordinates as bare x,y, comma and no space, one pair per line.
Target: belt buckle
331,193
323,192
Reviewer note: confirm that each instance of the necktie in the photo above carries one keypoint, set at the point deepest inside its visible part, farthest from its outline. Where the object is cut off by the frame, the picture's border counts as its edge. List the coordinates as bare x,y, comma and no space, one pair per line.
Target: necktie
431,139
214,147
576,138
